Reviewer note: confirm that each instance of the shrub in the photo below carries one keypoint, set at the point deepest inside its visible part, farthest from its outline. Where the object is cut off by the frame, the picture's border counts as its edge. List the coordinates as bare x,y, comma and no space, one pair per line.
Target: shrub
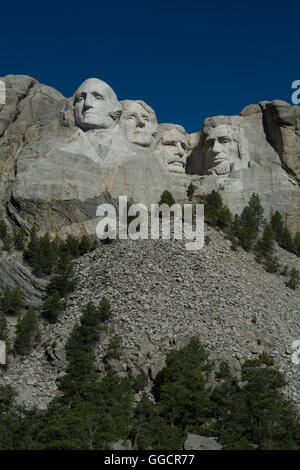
294,279
272,264
264,358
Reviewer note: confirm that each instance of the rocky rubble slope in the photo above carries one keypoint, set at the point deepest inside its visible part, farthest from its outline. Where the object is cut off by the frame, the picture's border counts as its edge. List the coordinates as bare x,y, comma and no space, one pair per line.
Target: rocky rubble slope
161,295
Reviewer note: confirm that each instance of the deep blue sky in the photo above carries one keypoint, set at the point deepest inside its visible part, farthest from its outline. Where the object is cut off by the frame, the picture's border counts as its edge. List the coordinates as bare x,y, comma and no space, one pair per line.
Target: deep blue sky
187,59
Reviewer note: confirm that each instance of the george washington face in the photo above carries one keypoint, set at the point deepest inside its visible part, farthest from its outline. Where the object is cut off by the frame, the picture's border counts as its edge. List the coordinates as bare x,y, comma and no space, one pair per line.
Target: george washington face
95,105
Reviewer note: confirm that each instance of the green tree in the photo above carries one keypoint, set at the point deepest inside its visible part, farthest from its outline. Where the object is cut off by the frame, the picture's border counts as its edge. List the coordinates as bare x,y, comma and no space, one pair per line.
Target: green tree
64,280
150,430
3,229
52,307
268,239
257,210
7,242
11,301
294,279
286,240
105,312
45,258
167,198
27,333
115,348
32,247
20,239
190,191
277,224
180,387
272,264
84,245
296,244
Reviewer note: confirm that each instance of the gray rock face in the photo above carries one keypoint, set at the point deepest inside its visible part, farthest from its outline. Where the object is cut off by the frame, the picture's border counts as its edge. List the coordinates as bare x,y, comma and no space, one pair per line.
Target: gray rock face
13,271
59,157
195,442
242,157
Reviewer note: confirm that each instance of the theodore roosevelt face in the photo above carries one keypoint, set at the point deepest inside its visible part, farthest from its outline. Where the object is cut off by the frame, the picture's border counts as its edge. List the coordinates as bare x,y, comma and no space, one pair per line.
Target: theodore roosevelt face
172,147
95,105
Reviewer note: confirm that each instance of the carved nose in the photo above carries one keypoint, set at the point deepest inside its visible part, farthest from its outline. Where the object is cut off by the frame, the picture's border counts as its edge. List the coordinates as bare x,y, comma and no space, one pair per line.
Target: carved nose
140,122
179,150
216,147
88,103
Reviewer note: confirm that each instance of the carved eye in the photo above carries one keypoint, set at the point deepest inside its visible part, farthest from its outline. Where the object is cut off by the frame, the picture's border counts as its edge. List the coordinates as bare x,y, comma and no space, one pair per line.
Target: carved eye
145,118
99,97
79,99
170,142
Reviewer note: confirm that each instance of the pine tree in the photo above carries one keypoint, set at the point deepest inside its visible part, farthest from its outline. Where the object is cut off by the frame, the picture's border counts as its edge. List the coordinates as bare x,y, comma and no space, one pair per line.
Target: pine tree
64,280
266,244
7,243
32,247
180,387
45,258
150,430
115,348
3,229
257,210
4,333
27,333
3,328
19,239
212,206
296,244
11,301
294,279
167,198
84,245
190,191
52,307
105,312
286,240
277,224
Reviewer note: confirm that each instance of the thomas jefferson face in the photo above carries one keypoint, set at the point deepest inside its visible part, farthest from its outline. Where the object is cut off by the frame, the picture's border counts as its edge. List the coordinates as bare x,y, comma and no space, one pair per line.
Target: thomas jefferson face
171,149
94,105
222,150
138,124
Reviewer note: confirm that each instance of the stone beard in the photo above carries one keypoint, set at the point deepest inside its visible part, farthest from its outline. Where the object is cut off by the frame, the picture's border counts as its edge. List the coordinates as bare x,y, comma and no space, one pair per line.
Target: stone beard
95,105
139,123
224,149
171,148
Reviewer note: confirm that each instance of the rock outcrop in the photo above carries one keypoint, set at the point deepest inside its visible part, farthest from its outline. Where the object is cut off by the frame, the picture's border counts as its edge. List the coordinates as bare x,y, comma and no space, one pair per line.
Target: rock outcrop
59,156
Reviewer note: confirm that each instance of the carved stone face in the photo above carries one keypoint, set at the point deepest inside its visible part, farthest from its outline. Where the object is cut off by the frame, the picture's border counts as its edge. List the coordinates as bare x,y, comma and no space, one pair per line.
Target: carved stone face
171,148
138,123
95,105
222,150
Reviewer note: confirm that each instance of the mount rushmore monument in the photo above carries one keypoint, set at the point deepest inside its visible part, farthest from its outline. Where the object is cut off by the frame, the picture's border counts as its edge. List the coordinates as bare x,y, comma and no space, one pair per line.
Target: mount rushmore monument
60,158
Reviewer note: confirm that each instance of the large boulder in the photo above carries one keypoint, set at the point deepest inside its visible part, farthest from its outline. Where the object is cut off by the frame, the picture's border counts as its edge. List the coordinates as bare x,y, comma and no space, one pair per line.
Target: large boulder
195,442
